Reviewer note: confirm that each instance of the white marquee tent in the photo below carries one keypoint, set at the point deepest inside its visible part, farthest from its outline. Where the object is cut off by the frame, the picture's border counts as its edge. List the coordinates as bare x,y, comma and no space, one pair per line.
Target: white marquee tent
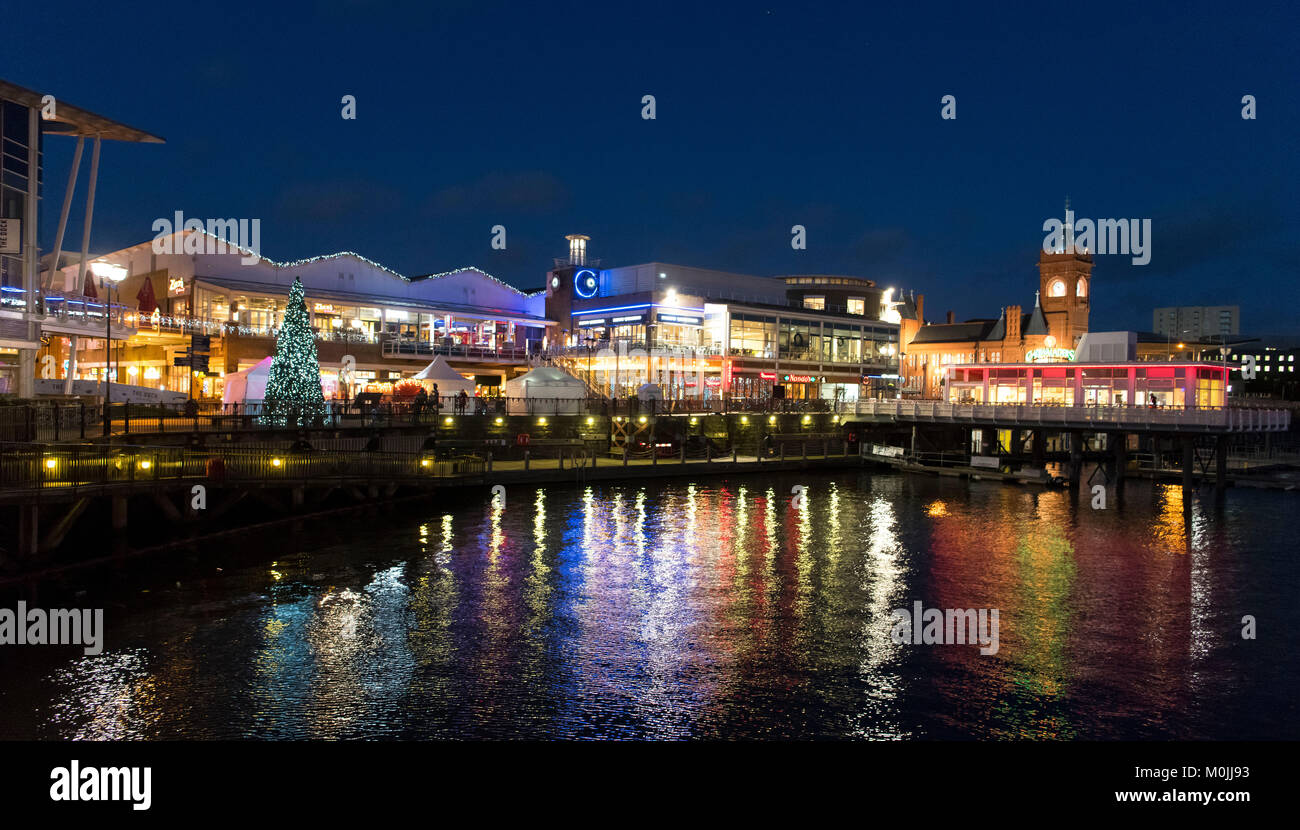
248,385
450,382
545,391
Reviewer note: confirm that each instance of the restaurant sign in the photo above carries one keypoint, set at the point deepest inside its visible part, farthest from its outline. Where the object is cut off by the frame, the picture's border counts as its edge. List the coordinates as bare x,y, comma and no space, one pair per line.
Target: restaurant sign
1049,355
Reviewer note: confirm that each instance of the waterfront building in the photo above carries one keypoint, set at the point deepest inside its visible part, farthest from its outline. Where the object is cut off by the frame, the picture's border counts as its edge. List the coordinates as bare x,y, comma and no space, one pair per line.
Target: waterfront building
1050,331
373,324
700,333
30,313
1197,322
1131,383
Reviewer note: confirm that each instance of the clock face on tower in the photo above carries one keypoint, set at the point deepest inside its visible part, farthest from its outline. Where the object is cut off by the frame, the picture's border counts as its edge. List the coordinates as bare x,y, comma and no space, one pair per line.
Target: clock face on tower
585,283
555,282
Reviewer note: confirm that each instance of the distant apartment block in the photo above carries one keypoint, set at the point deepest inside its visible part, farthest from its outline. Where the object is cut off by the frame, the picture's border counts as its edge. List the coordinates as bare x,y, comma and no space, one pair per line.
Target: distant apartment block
1191,322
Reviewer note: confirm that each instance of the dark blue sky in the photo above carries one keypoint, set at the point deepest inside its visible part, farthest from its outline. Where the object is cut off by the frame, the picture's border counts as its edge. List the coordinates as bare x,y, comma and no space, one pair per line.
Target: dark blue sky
475,113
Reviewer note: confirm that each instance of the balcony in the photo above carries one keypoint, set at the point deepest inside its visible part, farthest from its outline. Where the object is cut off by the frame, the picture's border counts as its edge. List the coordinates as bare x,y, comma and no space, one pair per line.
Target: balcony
80,316
424,349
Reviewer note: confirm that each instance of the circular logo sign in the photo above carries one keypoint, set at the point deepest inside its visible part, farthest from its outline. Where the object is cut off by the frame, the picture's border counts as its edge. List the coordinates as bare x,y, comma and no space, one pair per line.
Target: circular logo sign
585,283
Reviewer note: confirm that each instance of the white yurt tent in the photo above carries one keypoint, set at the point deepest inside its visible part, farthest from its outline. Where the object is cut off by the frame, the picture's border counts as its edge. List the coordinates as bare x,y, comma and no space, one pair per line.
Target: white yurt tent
450,382
248,385
545,391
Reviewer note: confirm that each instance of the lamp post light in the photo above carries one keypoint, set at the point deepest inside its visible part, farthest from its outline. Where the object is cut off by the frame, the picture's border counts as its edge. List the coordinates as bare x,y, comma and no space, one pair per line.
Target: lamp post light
110,274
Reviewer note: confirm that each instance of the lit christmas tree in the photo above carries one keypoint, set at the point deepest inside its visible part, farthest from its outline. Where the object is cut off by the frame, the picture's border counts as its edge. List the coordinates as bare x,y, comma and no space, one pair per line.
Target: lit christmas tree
293,391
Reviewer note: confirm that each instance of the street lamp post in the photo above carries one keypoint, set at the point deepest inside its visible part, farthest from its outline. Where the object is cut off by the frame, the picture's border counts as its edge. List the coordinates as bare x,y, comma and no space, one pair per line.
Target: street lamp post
110,274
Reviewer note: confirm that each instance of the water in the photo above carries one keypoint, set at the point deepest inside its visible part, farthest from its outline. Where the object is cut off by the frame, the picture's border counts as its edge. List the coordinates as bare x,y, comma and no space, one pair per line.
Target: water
699,609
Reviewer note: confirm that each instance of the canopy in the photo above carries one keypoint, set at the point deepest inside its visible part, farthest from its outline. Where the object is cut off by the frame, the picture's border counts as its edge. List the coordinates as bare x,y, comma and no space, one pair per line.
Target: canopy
450,382
248,385
649,392
544,391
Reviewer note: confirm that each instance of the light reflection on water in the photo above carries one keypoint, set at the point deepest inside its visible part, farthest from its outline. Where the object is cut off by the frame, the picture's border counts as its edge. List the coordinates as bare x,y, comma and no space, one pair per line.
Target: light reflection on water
712,609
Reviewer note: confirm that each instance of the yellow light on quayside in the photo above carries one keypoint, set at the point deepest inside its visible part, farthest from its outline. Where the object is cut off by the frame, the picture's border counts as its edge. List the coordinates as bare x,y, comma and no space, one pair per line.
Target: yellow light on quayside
541,421
275,462
641,419
447,420
146,464
424,462
744,419
807,419
50,463
591,421
695,420
500,421
771,419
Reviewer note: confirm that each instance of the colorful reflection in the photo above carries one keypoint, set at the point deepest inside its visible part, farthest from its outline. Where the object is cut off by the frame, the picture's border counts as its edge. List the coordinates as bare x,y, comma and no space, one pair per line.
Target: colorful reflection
739,608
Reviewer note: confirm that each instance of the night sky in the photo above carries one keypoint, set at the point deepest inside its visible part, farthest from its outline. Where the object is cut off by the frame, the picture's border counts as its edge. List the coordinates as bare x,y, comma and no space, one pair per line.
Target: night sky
476,113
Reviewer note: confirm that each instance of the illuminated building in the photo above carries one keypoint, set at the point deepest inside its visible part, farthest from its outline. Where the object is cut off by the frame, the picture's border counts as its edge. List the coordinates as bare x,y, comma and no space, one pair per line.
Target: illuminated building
1176,385
1052,330
699,333
389,325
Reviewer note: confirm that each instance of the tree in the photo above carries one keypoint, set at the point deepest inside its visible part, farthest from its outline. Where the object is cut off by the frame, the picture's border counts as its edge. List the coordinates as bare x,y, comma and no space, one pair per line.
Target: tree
293,390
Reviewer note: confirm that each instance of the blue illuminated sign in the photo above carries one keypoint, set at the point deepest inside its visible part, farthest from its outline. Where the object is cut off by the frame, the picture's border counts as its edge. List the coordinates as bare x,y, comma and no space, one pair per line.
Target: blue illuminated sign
585,283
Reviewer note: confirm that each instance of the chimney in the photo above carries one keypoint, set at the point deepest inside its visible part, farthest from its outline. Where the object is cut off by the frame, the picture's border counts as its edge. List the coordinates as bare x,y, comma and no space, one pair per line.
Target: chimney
920,309
1013,323
578,248
952,318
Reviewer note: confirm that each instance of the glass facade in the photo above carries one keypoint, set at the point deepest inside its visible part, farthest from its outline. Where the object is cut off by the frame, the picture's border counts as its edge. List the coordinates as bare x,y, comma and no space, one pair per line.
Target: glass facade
14,126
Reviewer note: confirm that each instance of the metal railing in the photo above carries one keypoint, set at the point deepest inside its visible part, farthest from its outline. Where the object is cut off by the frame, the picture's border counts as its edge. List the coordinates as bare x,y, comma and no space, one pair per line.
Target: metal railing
424,348
1223,419
74,467
75,420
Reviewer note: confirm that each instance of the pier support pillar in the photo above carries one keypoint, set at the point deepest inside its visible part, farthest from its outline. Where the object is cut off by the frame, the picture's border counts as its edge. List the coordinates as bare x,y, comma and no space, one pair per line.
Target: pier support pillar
1039,447
1220,464
1076,458
1189,466
1119,452
29,531
296,498
119,512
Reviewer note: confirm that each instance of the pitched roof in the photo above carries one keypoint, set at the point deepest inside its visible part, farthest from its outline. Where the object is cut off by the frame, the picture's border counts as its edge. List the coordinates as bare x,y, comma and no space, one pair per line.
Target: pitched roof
953,332
999,330
1034,322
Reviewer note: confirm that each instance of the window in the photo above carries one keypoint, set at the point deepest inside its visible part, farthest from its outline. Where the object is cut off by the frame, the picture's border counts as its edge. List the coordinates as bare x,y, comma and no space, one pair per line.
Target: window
818,303
857,305
1081,288
1056,288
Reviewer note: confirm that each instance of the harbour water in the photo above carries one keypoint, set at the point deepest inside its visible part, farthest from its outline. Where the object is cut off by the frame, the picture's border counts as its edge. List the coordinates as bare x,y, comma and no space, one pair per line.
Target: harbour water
706,608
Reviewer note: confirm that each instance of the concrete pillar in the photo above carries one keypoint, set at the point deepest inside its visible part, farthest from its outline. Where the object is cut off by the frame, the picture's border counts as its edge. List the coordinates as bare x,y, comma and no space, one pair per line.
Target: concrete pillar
29,530
1076,457
72,366
1189,465
1119,451
1221,463
119,512
1038,441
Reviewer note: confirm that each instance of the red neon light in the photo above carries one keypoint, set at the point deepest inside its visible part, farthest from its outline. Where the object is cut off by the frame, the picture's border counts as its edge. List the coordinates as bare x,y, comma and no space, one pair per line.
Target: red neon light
767,375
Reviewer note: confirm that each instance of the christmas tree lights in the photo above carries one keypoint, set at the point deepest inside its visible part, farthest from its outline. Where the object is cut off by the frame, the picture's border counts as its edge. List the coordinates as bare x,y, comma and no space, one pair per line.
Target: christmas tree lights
293,390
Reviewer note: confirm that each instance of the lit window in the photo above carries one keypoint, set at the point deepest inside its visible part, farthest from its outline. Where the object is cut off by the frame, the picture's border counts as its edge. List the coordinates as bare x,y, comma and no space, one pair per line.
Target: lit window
816,303
857,305
1056,289
1081,289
